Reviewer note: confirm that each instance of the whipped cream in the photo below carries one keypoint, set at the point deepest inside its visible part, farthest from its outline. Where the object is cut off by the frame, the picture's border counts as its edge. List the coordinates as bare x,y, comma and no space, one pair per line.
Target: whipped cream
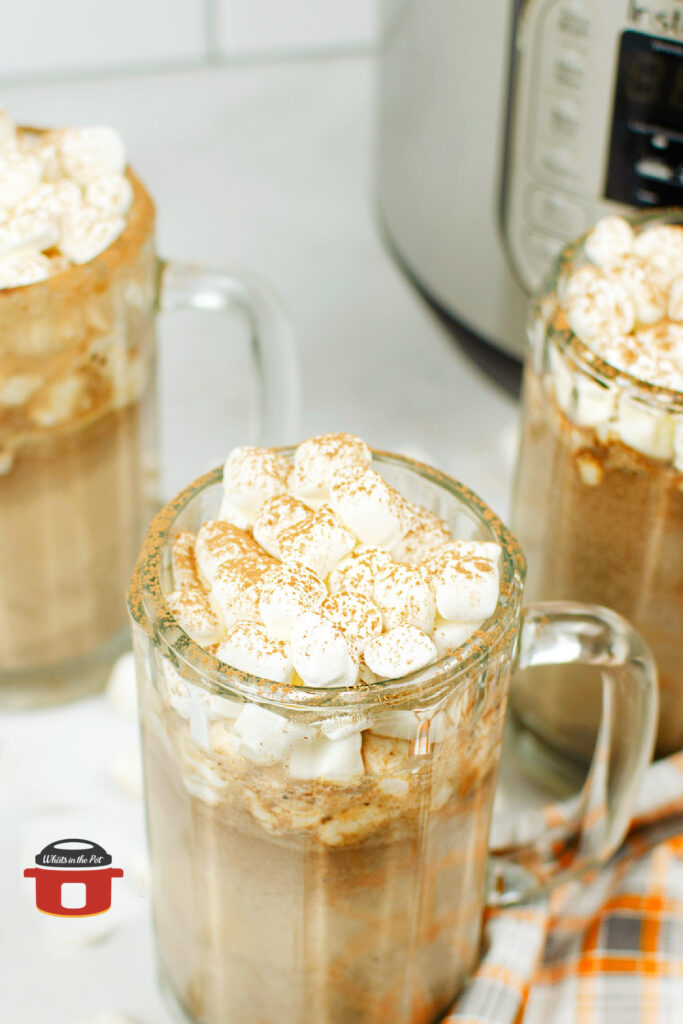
626,305
336,582
63,199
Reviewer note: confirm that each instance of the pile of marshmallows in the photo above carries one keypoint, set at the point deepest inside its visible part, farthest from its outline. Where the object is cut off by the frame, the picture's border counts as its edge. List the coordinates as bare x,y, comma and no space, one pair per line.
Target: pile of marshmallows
320,573
63,199
626,304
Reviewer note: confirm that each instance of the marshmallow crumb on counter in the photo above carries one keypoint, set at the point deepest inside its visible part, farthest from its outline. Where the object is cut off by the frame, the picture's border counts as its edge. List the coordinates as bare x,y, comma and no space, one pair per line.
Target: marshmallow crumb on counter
121,689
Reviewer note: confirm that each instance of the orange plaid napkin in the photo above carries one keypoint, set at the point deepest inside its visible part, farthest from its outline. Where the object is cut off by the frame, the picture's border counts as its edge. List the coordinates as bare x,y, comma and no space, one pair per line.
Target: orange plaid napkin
608,950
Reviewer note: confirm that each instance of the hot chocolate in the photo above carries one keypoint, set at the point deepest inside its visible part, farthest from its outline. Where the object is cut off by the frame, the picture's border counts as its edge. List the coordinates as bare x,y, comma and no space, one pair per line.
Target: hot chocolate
599,496
286,839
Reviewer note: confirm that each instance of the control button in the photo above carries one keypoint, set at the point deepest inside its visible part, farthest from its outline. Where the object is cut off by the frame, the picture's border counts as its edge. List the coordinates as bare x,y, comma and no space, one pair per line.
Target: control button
574,21
556,213
557,161
570,70
540,252
565,117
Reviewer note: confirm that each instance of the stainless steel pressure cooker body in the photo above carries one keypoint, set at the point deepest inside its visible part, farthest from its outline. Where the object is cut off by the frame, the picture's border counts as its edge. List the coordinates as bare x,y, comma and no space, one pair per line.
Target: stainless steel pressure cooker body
506,127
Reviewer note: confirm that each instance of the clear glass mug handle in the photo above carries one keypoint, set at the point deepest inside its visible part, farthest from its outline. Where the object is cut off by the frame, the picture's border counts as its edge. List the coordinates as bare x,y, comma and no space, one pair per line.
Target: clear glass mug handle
192,286
585,831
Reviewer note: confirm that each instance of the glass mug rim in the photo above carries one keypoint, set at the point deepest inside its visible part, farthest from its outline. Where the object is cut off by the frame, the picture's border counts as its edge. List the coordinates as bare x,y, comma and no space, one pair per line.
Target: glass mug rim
149,610
578,352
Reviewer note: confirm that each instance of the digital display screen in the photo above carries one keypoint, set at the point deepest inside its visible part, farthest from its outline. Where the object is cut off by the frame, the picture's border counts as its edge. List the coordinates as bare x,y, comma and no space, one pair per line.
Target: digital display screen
646,152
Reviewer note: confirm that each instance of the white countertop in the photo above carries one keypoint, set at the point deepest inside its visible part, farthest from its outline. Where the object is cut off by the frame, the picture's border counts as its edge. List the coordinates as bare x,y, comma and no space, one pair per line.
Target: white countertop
268,167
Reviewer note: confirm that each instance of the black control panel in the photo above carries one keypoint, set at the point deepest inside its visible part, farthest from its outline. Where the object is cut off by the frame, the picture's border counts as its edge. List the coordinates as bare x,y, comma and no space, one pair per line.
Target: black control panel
646,151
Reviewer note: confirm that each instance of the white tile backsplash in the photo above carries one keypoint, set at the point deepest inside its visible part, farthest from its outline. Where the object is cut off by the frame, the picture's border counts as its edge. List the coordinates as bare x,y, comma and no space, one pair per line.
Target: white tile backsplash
43,36
274,26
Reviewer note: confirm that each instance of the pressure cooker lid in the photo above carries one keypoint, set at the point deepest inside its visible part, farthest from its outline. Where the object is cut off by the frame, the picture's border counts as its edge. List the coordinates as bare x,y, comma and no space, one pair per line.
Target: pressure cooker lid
73,853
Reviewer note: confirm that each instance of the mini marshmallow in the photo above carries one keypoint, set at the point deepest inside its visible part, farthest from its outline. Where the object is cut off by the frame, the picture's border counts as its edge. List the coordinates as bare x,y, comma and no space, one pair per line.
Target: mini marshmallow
368,506
236,589
58,199
337,760
405,596
359,570
265,738
449,635
111,193
675,304
466,579
648,296
678,444
87,232
287,592
319,542
610,240
19,175
248,648
274,516
320,653
602,306
662,247
356,616
251,476
594,403
219,543
57,401
647,430
29,231
22,268
404,725
184,561
195,615
318,460
424,530
87,153
340,726
126,771
399,652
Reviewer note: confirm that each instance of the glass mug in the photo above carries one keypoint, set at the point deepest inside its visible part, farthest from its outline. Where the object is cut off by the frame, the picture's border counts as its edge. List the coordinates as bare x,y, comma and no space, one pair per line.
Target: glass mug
78,453
286,900
600,519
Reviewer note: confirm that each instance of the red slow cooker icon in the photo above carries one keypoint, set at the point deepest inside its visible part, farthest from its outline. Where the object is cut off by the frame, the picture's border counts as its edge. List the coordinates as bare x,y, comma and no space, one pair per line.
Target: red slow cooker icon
73,878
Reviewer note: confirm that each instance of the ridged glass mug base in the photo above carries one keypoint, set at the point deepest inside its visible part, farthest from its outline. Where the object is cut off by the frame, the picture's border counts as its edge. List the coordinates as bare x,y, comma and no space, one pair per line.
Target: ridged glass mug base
62,682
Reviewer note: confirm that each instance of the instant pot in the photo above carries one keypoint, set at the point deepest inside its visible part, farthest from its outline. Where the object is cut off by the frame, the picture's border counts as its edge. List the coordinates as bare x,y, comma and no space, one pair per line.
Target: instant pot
506,127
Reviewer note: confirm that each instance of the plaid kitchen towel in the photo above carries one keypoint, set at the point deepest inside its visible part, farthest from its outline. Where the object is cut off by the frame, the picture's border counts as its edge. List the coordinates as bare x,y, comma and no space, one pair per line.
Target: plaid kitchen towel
608,950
